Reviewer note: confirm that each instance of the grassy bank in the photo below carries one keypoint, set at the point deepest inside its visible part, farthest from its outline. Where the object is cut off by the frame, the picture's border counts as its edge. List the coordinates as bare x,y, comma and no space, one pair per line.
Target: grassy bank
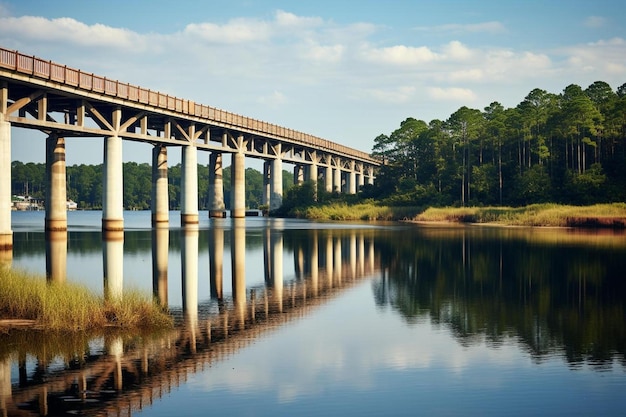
550,215
361,211
72,307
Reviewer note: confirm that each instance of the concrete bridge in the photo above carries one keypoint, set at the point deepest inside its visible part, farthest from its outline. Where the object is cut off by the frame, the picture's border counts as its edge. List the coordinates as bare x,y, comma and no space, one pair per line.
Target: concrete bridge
65,102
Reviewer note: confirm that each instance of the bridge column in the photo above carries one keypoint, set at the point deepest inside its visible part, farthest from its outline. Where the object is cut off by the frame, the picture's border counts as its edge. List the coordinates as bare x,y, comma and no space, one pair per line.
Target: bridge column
267,187
56,191
361,179
298,174
160,192
337,179
328,179
313,173
238,185
351,179
6,234
276,187
189,182
113,186
216,186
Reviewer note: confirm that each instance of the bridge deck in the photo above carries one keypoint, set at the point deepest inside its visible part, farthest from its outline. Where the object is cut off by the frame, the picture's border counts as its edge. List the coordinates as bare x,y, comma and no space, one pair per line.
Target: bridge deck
26,72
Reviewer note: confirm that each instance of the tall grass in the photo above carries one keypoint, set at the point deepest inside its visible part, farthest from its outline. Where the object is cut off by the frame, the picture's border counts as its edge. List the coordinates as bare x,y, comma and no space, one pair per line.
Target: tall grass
362,211
73,307
555,215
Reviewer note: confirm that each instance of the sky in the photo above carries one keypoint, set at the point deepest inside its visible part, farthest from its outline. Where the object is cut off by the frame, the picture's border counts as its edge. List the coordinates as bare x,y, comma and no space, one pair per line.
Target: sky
346,71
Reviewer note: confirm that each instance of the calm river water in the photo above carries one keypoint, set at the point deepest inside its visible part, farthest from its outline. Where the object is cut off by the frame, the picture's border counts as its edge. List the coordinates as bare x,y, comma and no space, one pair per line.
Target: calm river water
296,318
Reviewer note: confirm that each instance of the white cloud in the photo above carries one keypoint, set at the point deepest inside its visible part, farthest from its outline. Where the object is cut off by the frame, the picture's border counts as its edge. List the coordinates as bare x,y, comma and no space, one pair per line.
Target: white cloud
324,53
68,30
235,31
456,50
452,94
291,20
400,55
396,95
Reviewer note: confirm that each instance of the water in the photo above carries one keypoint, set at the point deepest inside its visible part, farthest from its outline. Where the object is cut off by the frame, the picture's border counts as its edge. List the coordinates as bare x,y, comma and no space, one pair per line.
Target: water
333,319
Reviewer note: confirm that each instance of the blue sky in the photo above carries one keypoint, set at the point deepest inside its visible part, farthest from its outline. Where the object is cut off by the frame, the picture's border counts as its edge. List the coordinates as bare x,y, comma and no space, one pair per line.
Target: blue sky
346,71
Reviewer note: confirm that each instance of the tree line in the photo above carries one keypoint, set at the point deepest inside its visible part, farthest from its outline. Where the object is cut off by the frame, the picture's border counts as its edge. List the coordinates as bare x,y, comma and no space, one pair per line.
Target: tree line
567,148
84,184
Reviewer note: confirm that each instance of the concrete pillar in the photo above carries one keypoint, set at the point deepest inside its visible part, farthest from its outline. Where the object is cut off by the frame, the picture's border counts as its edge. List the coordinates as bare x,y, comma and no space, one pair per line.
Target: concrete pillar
276,188
6,234
238,186
56,256
337,179
328,179
160,255
160,192
298,175
267,190
113,186
361,179
189,186
351,180
113,263
313,178
216,262
217,208
56,185
189,269
370,179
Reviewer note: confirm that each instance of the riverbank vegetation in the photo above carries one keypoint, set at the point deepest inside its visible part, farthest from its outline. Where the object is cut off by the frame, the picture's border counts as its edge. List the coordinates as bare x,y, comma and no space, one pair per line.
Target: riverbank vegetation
538,163
32,301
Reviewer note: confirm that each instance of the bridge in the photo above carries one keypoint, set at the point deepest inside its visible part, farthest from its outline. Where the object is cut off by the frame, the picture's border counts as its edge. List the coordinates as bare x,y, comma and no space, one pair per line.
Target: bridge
65,102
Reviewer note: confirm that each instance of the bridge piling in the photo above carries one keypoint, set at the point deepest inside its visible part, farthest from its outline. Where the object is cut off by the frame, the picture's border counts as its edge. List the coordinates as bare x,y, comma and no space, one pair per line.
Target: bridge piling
160,194
56,185
6,234
238,184
112,186
216,186
189,180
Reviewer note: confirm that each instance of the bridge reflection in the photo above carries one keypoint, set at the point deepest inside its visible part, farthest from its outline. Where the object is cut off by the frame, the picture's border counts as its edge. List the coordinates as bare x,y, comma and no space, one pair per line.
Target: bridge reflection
117,374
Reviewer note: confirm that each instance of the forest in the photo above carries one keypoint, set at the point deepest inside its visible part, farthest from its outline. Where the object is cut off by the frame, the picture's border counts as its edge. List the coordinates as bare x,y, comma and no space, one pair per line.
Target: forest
567,148
84,184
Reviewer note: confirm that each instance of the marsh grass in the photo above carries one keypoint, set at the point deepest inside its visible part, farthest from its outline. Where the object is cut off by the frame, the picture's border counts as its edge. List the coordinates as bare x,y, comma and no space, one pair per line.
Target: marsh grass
553,215
53,306
362,211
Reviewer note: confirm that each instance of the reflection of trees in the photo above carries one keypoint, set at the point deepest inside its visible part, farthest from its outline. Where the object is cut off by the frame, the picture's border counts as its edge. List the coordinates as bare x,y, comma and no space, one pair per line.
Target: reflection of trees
554,297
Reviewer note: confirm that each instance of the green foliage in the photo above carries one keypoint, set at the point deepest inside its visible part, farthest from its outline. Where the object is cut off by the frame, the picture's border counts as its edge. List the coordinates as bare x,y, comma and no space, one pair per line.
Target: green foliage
567,148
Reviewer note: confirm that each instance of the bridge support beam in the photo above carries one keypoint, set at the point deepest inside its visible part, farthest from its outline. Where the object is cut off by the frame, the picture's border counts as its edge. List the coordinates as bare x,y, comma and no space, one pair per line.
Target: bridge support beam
6,234
313,173
160,194
337,179
217,207
189,180
276,187
298,174
56,185
267,188
328,179
113,186
351,180
238,185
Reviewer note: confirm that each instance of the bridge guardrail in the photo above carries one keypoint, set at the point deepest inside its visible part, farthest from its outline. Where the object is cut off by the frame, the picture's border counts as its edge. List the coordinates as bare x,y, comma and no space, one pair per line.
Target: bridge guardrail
39,68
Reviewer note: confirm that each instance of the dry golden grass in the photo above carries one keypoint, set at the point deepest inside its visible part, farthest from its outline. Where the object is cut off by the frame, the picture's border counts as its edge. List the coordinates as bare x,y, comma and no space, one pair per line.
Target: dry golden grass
554,215
73,307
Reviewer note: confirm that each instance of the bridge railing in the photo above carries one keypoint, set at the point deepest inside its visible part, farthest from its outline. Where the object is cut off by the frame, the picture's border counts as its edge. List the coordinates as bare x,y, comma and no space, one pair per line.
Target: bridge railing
39,68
